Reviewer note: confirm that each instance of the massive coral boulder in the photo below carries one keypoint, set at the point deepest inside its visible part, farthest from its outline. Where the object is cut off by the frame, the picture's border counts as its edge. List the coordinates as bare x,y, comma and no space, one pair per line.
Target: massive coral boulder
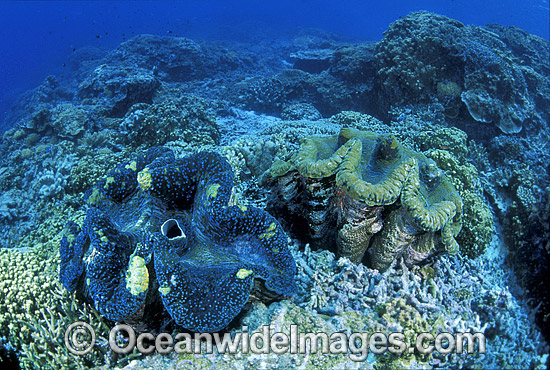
161,228
327,91
117,88
478,73
65,121
174,58
416,53
363,192
187,118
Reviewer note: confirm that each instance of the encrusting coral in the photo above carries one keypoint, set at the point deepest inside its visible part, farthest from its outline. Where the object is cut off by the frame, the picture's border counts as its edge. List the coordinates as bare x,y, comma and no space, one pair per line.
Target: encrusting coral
478,225
349,187
163,224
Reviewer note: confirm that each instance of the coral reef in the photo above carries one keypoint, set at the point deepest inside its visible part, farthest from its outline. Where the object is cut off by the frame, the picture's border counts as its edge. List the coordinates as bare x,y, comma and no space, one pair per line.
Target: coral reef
536,259
518,185
30,180
337,296
177,215
115,89
33,101
300,111
481,77
90,167
174,58
162,238
328,74
478,225
349,183
313,60
64,120
50,180
35,311
425,57
406,72
354,64
186,118
474,301
277,140
69,121
328,93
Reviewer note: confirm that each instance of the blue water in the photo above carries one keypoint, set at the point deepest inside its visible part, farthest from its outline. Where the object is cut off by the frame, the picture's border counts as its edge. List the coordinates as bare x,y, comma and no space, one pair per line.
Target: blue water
37,37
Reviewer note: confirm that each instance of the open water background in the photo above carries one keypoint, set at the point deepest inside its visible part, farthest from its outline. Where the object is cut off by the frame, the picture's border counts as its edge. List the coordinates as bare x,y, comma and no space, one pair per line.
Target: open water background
38,37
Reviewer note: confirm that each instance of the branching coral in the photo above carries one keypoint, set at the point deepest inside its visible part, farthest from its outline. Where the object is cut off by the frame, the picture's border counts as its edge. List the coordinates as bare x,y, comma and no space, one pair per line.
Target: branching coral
35,311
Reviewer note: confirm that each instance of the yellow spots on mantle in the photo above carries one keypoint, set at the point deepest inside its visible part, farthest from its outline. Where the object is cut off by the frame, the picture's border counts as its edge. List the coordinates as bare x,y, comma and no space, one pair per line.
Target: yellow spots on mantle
108,182
137,276
212,190
102,236
271,230
242,208
70,238
164,290
394,144
95,196
243,273
144,179
132,166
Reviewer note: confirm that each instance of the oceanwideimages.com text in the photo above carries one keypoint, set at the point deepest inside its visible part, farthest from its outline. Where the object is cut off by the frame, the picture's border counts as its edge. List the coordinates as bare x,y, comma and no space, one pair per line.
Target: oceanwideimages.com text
80,339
